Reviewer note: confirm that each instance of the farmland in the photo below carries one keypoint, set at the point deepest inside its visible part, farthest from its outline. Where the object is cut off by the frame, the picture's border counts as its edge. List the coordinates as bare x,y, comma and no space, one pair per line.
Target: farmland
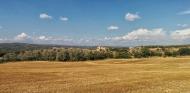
146,75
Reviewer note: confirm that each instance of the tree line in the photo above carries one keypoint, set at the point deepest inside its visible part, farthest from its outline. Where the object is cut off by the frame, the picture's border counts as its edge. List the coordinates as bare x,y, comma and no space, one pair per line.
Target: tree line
60,54
80,54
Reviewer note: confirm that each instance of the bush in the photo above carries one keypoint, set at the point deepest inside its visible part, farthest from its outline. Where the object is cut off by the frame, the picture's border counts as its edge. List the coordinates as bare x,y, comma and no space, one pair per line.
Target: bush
184,51
145,52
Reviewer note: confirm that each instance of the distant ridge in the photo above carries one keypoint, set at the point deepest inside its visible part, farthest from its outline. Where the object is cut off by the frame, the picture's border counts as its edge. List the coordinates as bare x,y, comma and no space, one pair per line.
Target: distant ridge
165,46
10,47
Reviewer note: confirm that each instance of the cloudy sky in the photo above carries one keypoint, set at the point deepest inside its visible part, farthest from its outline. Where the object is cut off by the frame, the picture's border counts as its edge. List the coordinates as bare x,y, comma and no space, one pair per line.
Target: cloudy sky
95,22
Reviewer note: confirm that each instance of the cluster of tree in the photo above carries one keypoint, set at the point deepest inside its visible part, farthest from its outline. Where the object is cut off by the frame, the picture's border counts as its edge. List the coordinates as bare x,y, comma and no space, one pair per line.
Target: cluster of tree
144,52
59,54
120,53
184,51
161,52
82,54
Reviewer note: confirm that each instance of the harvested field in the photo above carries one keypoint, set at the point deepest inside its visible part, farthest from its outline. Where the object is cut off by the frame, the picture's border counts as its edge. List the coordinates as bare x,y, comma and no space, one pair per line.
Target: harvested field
152,75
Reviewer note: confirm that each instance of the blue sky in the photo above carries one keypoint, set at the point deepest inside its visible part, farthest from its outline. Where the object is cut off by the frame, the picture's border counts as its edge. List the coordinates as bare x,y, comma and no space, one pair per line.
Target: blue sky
95,22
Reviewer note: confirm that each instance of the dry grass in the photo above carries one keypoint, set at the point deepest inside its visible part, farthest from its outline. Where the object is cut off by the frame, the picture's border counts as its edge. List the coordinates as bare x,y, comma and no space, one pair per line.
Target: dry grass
154,75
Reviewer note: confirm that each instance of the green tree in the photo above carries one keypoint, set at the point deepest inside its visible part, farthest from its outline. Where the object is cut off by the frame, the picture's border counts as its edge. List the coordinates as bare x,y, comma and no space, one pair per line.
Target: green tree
184,51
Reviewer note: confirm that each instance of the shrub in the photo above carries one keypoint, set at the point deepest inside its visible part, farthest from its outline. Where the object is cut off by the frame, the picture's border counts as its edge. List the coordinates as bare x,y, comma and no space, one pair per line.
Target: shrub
184,51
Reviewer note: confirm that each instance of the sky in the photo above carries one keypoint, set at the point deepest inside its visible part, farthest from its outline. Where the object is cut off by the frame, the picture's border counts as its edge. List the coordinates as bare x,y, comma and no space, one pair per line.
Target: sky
95,22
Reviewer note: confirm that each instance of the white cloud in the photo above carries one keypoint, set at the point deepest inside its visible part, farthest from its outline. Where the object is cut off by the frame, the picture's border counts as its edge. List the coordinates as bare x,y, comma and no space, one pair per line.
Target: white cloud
22,36
143,34
43,38
48,38
182,25
181,34
3,40
107,38
62,18
112,27
132,17
45,16
184,12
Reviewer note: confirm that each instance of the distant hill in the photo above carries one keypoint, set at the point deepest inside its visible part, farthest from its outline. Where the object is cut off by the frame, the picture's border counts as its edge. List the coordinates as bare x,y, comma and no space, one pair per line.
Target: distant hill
36,52
15,47
166,46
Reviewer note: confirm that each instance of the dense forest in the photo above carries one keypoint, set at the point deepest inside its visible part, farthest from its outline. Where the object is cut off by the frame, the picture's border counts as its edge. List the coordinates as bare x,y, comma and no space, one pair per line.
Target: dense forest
30,52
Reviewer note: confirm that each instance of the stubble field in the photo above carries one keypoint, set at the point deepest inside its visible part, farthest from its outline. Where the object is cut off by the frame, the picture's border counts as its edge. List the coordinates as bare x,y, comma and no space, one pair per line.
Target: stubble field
152,75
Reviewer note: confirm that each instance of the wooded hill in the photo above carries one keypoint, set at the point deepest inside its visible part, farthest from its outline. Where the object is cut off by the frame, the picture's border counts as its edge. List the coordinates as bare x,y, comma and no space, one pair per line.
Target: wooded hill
34,52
